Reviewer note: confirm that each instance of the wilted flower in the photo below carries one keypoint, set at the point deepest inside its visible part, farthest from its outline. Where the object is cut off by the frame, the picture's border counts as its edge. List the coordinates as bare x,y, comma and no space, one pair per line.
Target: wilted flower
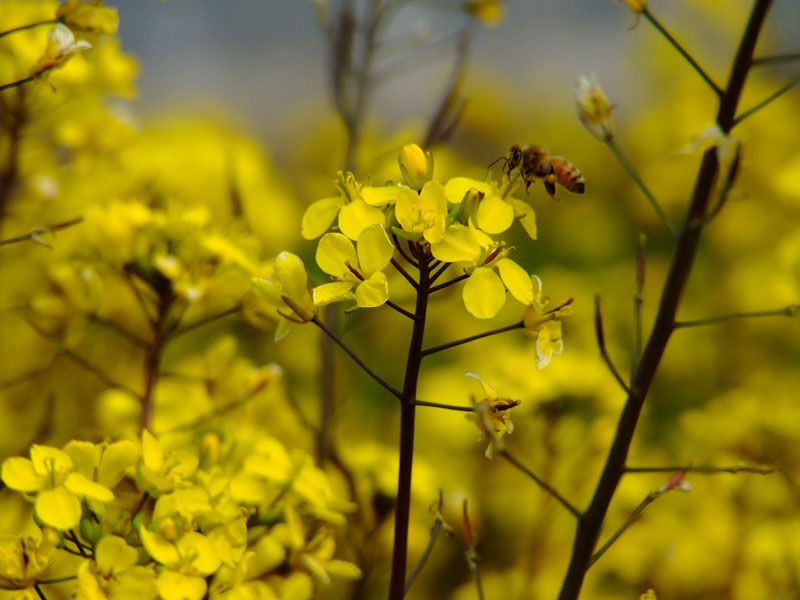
594,109
61,46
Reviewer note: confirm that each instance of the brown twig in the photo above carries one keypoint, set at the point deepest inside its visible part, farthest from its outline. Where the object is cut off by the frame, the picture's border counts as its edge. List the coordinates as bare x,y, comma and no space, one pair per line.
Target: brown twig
686,247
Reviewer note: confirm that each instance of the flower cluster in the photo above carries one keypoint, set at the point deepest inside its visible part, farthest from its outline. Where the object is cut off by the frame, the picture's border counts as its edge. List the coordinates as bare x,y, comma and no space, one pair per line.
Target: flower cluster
150,521
363,227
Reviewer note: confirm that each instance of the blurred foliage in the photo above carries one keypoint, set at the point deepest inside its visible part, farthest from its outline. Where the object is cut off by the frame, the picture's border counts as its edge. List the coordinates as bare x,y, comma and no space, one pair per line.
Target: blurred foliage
179,214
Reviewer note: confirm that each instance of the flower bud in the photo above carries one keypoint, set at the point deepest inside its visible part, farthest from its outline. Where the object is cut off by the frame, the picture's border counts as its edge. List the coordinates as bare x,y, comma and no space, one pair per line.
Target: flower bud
415,165
594,109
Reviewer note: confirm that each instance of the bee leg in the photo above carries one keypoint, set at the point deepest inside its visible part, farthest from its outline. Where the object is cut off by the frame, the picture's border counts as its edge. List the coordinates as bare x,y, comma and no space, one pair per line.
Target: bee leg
550,185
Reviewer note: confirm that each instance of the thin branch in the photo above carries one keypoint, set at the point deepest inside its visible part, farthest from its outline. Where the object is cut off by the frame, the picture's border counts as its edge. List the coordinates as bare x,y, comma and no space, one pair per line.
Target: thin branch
19,82
542,484
638,300
437,526
589,526
683,52
114,326
403,272
385,384
29,26
773,59
204,321
444,406
94,369
453,281
56,580
39,591
793,310
601,343
35,234
702,469
72,537
471,338
628,522
776,94
400,309
440,271
641,185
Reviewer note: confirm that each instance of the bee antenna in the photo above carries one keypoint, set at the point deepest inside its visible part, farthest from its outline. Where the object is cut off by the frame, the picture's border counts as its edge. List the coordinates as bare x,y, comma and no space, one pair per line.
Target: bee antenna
495,161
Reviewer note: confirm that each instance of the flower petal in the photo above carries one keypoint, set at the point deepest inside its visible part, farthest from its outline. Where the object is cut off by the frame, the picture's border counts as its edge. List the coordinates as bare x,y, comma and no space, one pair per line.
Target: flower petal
460,243
334,252
83,486
375,249
319,216
495,215
337,291
58,508
373,291
484,293
357,215
19,474
516,279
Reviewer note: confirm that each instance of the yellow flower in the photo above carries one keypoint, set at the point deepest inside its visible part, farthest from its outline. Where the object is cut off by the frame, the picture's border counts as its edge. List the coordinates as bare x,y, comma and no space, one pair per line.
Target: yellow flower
544,326
484,293
492,416
488,11
161,471
416,166
286,292
360,268
61,46
356,207
594,109
50,473
114,575
424,213
24,560
91,16
636,6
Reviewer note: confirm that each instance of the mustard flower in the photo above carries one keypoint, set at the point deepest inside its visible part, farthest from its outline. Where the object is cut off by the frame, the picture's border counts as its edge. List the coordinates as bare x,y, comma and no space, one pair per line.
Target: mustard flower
88,16
360,268
160,471
483,205
637,6
490,12
416,166
492,415
114,575
356,207
286,291
50,476
594,109
24,560
61,46
423,214
484,293
544,326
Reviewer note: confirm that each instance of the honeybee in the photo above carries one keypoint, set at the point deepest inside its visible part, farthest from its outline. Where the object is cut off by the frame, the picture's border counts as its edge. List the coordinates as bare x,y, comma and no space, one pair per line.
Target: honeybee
536,162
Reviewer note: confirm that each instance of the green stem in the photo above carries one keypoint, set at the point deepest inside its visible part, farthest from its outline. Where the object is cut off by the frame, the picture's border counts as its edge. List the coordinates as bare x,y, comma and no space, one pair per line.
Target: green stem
437,526
777,93
34,234
638,181
793,310
39,591
683,52
444,406
407,416
472,338
204,321
57,580
629,521
775,59
601,343
446,284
